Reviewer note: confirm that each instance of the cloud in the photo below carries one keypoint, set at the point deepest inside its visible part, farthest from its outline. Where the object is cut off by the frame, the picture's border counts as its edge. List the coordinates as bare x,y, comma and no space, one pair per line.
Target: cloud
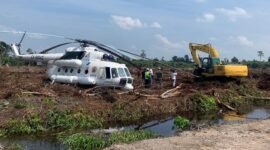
206,18
156,25
242,40
201,1
128,23
5,29
167,43
234,14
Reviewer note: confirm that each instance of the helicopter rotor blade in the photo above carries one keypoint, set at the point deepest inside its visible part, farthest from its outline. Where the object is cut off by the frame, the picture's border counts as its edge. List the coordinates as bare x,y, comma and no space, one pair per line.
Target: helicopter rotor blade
148,59
19,44
56,46
106,49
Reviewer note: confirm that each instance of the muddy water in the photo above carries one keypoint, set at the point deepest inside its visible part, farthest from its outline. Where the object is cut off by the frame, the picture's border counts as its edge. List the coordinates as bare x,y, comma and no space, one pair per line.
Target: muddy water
159,127
32,143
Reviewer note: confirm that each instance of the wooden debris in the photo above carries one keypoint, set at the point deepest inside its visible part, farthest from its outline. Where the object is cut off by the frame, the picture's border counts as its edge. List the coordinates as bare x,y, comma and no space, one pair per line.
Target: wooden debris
171,92
38,93
226,106
259,98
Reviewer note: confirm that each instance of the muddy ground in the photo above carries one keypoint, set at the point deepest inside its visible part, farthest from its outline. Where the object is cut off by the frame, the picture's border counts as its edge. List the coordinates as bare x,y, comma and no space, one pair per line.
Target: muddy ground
252,136
26,90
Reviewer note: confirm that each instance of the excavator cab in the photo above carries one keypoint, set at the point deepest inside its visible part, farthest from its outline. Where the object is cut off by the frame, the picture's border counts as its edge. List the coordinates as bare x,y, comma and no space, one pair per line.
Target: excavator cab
207,65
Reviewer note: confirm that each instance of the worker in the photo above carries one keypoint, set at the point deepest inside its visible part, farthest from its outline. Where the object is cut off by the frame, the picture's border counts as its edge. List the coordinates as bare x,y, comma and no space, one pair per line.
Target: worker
143,74
173,77
152,74
159,78
147,78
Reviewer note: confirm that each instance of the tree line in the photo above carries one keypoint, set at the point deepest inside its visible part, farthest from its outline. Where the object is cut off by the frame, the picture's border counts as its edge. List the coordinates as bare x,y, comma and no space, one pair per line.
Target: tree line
175,61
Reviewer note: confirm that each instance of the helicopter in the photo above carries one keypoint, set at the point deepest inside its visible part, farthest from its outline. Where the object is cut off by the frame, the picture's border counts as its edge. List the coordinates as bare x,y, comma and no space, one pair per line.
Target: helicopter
91,63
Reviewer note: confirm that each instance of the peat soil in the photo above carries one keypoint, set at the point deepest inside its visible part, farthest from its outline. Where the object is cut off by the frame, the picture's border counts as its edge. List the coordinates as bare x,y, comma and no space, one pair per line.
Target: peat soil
25,90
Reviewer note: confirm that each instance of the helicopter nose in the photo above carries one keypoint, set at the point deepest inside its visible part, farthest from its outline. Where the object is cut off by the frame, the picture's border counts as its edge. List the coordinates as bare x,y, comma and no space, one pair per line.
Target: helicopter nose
128,87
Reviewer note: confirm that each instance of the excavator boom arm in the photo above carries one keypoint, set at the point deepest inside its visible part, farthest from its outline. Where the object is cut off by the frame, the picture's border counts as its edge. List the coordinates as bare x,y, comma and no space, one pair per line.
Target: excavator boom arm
207,48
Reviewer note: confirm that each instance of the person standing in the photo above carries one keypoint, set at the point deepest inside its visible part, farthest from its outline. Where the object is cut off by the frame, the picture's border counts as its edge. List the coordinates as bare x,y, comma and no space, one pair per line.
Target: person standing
143,74
147,78
159,78
152,75
173,77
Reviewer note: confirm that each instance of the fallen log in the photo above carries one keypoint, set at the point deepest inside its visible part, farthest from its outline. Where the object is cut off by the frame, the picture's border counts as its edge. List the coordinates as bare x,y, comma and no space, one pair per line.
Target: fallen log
226,106
171,92
145,95
254,97
38,93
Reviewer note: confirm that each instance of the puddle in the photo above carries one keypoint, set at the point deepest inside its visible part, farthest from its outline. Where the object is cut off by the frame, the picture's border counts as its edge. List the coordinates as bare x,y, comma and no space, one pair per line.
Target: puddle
159,127
259,113
29,143
165,127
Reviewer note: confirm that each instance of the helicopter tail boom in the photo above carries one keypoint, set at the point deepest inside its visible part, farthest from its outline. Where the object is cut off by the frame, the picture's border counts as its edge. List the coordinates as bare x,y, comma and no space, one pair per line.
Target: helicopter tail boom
15,50
35,57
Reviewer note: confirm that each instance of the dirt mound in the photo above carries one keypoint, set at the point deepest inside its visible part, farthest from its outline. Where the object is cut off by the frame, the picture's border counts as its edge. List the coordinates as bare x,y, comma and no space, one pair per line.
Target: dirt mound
264,82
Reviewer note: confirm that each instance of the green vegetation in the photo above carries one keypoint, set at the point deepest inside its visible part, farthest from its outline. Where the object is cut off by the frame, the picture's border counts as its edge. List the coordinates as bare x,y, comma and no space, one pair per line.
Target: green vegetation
57,119
26,126
247,90
20,105
119,113
204,103
14,146
83,141
5,58
129,136
256,64
181,122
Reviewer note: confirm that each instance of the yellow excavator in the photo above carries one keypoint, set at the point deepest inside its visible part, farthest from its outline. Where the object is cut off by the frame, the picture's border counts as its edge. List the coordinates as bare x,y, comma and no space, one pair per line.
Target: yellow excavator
211,66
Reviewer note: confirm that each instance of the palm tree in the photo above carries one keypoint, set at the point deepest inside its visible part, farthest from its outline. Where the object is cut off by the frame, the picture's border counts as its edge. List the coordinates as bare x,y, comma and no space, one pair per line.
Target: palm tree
260,54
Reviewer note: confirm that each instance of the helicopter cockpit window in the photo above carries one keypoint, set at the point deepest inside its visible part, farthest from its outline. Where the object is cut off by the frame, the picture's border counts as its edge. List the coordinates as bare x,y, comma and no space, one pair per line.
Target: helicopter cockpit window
73,55
121,72
114,73
127,72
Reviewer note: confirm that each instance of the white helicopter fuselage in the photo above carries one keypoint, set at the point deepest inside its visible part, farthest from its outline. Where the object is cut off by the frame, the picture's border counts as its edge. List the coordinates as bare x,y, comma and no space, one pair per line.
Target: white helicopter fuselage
83,65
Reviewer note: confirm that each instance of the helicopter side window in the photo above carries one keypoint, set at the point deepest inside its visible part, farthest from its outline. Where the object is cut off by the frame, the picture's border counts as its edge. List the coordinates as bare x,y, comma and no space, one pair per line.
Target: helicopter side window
79,71
59,69
121,72
73,55
114,73
66,70
127,72
86,71
71,70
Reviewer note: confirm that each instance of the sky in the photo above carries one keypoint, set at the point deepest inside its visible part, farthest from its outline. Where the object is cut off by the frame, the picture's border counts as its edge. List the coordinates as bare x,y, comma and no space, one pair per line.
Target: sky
163,28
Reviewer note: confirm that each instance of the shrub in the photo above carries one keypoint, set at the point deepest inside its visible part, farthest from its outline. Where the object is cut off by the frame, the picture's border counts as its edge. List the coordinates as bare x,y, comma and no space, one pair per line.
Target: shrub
204,103
67,120
180,122
28,126
129,136
81,141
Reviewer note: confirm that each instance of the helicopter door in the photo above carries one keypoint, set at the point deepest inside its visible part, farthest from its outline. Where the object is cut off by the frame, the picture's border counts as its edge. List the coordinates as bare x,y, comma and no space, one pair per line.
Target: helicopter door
104,73
108,73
